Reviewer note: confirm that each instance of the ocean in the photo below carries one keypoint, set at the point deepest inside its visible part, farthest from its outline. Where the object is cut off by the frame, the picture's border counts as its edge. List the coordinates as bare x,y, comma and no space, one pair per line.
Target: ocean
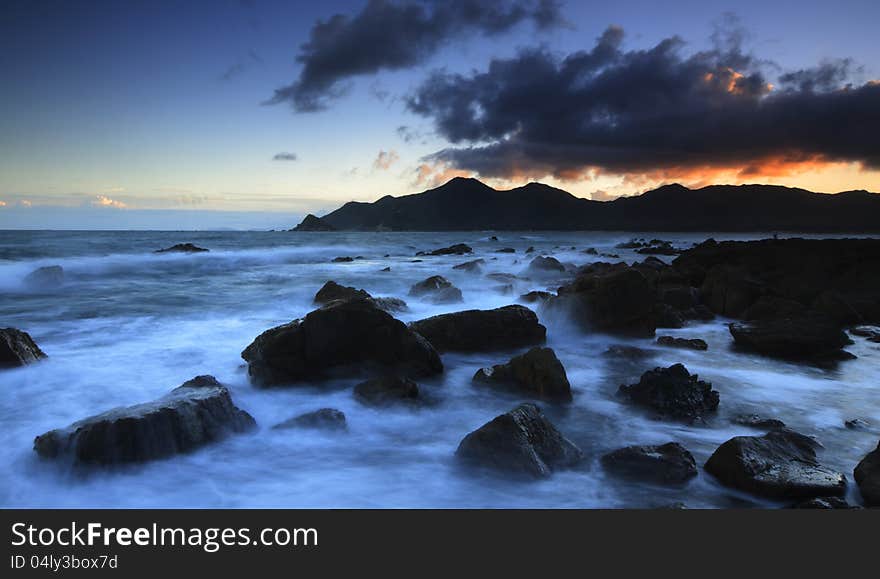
128,325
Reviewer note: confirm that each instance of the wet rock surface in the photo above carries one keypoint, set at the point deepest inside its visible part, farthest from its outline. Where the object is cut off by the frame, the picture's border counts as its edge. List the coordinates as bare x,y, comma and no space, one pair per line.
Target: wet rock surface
321,419
666,464
17,348
482,330
867,475
674,393
182,248
436,289
387,390
538,373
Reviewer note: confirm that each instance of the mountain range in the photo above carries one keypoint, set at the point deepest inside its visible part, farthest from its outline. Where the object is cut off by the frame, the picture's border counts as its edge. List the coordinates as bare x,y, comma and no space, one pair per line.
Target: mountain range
464,204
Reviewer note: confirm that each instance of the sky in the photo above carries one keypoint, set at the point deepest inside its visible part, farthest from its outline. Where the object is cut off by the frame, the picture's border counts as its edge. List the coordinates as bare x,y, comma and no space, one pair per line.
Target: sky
250,113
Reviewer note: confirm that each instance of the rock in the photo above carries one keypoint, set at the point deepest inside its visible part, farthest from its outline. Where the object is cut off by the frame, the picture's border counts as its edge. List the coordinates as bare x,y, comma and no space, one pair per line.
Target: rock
388,268
502,277
679,297
17,348
833,306
666,316
538,373
457,249
535,297
871,333
612,298
331,291
779,465
45,277
658,247
387,390
493,238
506,289
632,244
391,305
823,503
856,424
313,223
591,251
755,421
543,264
522,441
530,249
482,330
667,464
192,415
182,248
729,290
437,289
867,475
771,307
624,352
474,265
343,259
323,419
686,343
805,339
673,392
340,337
505,250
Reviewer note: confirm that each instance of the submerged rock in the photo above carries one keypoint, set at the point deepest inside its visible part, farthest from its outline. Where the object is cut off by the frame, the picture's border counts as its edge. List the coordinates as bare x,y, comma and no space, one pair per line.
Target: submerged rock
673,392
686,343
867,475
437,289
182,248
343,336
48,277
781,465
331,291
343,259
871,333
544,264
324,419
538,373
755,421
482,330
17,348
387,390
506,250
856,424
457,249
667,464
805,339
522,441
536,296
474,265
192,415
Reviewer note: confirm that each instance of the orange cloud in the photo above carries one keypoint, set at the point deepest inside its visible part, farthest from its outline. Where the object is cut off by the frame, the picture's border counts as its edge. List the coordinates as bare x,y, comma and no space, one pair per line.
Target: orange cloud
2,203
428,175
104,201
385,159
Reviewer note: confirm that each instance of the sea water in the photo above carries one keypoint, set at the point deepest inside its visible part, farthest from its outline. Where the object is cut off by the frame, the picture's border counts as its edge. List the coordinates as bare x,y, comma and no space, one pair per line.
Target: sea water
128,325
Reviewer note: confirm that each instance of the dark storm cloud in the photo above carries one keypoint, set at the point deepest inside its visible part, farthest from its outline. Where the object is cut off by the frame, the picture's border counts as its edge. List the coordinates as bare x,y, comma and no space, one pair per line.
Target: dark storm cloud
284,157
392,35
643,110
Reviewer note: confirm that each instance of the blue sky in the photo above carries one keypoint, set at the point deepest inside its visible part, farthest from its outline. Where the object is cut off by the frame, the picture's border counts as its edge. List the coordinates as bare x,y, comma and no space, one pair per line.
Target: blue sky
130,112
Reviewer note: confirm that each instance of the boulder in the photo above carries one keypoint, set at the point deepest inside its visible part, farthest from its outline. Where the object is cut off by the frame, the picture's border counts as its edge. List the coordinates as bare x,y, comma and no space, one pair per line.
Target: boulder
867,475
673,392
530,249
17,348
457,249
823,503
872,334
686,343
667,464
628,353
313,223
182,248
522,441
856,424
322,419
482,330
806,339
538,374
729,290
192,415
343,336
779,465
48,277
536,297
343,259
612,298
437,289
544,264
771,307
331,291
755,421
386,391
391,305
475,265
505,250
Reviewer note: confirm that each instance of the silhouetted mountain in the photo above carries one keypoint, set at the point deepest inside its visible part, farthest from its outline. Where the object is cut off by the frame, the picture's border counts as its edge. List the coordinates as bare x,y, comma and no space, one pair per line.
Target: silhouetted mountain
467,204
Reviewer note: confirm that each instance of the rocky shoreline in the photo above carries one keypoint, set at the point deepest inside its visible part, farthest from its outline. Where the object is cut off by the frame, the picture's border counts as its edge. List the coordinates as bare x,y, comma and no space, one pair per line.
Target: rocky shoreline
797,300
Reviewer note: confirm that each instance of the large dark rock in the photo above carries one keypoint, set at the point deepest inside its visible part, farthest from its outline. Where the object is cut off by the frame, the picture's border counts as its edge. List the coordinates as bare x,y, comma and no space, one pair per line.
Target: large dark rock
781,465
756,421
182,248
437,289
673,392
536,296
322,419
729,291
522,441
686,343
48,277
331,291
824,503
538,373
457,249
809,339
612,298
867,475
192,415
313,223
544,264
343,336
771,308
482,330
667,464
17,348
387,390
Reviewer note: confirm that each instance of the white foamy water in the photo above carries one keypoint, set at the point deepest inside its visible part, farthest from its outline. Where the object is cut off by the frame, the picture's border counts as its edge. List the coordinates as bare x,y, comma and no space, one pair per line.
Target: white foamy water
128,325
